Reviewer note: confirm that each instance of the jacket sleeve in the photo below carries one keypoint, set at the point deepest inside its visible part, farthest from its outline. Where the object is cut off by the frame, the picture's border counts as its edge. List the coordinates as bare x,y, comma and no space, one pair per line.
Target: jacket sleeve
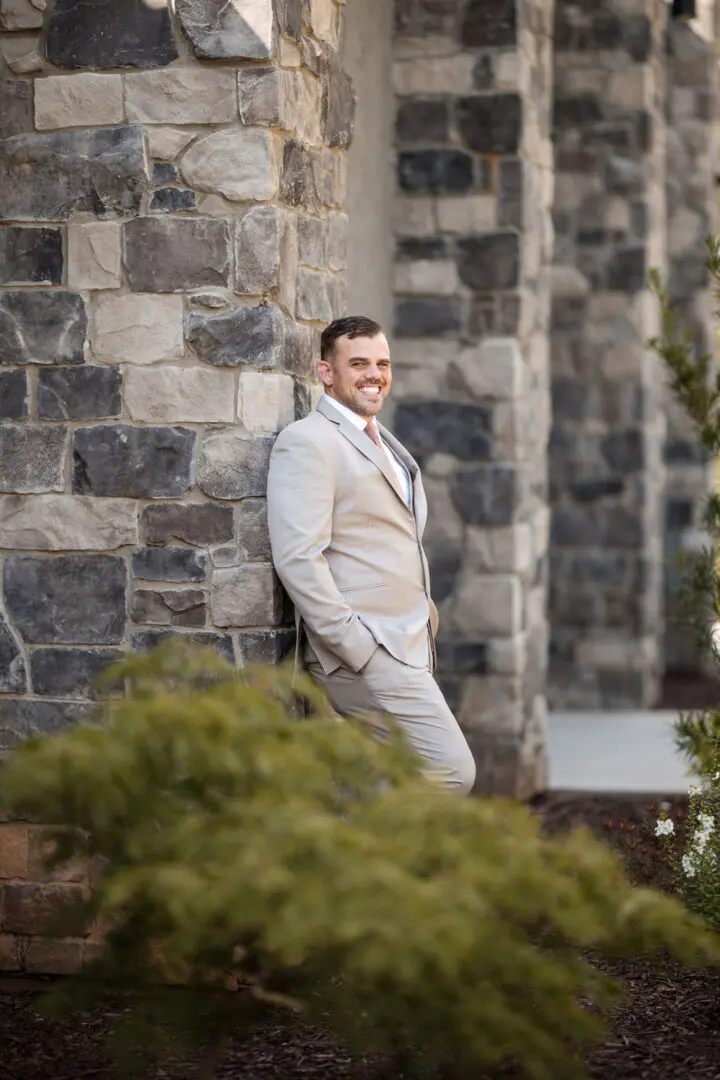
301,491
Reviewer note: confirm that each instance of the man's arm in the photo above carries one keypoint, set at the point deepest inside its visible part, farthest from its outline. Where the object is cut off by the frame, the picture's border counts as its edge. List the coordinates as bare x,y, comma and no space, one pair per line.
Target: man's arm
301,490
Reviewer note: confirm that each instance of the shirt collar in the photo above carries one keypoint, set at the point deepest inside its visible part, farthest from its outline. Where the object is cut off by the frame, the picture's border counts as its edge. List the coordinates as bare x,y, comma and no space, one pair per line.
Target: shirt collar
360,422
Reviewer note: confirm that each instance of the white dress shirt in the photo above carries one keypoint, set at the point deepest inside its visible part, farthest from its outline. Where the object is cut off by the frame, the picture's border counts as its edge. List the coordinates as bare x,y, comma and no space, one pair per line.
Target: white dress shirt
361,423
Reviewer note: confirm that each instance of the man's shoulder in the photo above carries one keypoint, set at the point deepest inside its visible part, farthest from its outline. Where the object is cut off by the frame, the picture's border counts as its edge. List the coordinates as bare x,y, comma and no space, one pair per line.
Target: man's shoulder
313,428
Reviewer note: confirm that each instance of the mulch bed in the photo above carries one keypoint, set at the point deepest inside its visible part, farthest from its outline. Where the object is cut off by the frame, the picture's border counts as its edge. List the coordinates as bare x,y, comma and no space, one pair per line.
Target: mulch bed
668,1029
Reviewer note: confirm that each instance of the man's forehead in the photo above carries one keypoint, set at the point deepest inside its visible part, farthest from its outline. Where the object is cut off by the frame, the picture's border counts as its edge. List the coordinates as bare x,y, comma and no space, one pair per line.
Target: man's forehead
368,348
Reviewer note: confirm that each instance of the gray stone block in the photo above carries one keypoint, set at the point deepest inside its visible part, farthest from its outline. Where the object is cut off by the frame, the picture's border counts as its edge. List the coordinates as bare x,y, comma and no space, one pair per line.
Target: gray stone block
627,270
445,566
20,718
491,123
428,317
486,494
16,107
233,466
490,262
32,458
259,249
199,524
246,596
83,598
71,673
164,172
177,254
30,256
464,658
42,327
422,121
172,200
170,607
221,31
265,646
488,26
441,172
446,427
13,395
338,104
80,393
300,183
247,335
109,34
13,678
144,640
100,171
252,532
169,564
624,451
140,463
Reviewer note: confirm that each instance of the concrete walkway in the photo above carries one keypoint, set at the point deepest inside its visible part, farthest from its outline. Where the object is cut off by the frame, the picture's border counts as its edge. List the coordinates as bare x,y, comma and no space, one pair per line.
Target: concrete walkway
631,752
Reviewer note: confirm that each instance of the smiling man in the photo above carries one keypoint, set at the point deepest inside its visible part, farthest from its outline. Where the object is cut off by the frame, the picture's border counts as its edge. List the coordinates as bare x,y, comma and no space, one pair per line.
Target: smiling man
347,512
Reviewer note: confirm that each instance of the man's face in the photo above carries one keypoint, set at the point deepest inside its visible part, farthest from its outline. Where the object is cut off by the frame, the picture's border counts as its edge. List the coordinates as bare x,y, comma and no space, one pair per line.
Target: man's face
358,374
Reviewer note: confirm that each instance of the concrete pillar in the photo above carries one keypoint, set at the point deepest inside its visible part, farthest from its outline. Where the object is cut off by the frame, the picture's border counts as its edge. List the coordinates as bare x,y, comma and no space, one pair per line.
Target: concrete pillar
473,244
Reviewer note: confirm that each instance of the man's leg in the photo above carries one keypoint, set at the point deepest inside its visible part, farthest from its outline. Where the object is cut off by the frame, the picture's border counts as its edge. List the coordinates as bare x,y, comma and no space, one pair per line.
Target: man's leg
413,698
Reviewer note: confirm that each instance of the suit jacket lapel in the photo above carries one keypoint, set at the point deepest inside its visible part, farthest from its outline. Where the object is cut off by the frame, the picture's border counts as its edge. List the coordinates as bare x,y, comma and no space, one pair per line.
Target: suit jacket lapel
366,447
419,500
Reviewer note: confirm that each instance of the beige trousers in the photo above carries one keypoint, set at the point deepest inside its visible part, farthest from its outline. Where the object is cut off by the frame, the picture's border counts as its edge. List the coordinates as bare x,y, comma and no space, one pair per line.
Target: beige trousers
413,698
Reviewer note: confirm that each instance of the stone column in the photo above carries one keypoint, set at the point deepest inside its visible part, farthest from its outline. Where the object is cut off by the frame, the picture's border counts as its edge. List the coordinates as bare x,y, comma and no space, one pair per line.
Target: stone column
692,214
606,467
473,242
173,243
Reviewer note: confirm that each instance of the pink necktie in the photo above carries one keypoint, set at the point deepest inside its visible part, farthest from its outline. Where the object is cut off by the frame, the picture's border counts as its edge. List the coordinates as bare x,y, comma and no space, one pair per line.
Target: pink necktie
372,432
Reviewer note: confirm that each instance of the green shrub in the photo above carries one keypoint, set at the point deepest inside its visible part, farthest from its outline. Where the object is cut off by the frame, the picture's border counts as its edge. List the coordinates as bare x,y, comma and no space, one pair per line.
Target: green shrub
322,874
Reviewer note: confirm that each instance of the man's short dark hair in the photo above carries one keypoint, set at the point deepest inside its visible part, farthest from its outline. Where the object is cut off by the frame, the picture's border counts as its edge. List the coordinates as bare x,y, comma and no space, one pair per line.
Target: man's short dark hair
351,326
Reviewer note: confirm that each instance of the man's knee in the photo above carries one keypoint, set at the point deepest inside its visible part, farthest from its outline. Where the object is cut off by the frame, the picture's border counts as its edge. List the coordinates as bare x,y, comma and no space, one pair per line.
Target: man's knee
458,774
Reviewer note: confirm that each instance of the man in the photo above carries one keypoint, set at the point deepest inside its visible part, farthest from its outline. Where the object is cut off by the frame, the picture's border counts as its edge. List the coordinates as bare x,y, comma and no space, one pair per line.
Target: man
347,512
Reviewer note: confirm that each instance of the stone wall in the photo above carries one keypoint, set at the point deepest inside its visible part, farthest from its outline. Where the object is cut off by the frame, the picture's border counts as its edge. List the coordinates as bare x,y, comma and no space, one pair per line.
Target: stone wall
173,242
606,467
473,243
692,211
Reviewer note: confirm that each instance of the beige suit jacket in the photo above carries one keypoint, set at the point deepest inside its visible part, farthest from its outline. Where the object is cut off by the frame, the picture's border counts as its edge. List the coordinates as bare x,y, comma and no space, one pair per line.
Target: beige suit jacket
346,545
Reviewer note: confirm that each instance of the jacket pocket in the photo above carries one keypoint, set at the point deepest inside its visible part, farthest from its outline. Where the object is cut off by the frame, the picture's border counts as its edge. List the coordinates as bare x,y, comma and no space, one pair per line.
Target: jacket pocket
363,588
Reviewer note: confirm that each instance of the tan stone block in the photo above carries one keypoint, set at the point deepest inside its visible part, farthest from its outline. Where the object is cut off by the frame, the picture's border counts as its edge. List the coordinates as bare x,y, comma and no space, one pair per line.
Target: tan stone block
11,953
28,907
508,656
21,53
493,369
568,282
165,143
488,604
237,163
40,846
632,88
467,213
433,45
290,55
53,957
436,75
493,703
81,100
181,95
507,71
414,216
94,255
325,20
266,402
13,851
67,523
431,277
137,328
245,596
173,395
509,548
22,14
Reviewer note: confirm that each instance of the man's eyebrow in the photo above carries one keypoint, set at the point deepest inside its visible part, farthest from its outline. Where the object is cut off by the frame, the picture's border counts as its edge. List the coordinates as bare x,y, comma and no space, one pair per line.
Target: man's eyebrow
368,359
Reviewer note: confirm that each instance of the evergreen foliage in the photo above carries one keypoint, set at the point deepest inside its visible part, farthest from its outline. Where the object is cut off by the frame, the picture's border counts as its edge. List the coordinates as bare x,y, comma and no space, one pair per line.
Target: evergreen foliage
275,865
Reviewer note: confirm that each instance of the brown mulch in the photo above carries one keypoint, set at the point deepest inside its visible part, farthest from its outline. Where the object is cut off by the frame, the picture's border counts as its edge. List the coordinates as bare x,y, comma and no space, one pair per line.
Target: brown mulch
668,1028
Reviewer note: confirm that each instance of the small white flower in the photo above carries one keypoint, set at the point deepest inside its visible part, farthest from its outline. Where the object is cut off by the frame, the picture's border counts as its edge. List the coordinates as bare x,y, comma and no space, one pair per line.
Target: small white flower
706,822
688,866
664,827
716,776
694,789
